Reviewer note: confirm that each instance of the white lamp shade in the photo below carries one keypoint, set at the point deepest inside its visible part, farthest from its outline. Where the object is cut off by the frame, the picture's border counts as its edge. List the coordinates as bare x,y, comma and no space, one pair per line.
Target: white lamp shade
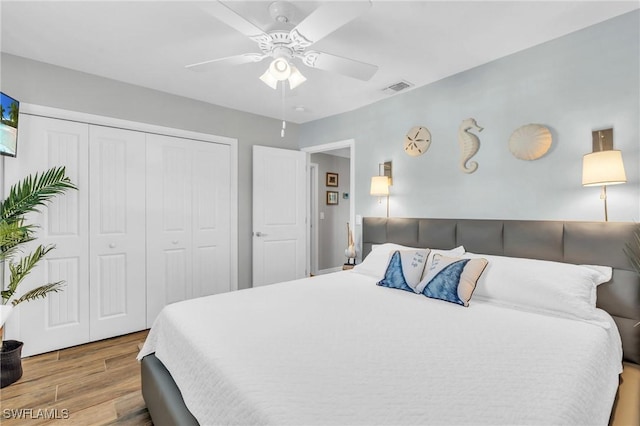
280,69
379,186
296,78
603,168
269,80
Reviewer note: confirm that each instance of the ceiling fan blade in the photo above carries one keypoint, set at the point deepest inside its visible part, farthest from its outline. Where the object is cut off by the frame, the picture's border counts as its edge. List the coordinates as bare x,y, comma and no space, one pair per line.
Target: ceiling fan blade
231,18
350,67
327,18
230,60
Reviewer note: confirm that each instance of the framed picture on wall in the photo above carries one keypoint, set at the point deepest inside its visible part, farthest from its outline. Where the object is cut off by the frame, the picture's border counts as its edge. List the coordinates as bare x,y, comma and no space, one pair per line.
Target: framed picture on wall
332,179
332,197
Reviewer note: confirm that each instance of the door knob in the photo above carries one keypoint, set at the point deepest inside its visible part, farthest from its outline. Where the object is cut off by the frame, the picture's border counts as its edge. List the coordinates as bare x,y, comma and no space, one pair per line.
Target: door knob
260,234
112,245
174,242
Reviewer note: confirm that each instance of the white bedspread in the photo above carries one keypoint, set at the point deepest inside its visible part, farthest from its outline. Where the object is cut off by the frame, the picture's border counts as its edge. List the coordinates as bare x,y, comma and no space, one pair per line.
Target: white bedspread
337,349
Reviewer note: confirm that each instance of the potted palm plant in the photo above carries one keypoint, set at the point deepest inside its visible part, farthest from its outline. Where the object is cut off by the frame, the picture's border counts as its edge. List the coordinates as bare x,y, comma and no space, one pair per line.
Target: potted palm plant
632,250
24,197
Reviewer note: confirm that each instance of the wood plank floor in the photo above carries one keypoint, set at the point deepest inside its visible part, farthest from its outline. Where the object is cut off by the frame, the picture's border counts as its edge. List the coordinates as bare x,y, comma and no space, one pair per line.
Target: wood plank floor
93,384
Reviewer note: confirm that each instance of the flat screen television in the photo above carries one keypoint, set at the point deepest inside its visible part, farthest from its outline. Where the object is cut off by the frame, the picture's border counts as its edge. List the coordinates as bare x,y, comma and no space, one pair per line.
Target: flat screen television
9,108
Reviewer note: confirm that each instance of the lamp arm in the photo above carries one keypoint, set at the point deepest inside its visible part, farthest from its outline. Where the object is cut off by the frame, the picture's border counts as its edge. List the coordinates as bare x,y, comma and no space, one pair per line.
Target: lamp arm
387,205
603,196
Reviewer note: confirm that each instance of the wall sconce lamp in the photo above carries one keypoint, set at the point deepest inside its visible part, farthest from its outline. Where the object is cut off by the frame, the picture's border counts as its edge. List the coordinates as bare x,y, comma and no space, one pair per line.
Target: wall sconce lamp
603,166
380,184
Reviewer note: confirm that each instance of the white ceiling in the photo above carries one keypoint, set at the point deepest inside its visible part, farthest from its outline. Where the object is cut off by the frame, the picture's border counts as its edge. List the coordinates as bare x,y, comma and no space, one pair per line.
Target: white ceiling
148,43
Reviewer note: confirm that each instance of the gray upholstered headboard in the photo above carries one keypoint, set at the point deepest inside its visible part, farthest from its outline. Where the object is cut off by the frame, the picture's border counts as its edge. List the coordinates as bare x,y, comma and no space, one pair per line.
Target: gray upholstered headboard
595,243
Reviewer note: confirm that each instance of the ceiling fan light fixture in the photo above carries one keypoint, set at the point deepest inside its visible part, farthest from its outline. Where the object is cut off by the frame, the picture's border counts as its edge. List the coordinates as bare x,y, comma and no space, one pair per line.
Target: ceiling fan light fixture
283,44
280,69
296,78
269,80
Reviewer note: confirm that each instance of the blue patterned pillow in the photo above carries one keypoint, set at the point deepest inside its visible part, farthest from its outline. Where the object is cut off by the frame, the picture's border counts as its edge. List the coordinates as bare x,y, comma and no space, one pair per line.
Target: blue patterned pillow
405,269
452,279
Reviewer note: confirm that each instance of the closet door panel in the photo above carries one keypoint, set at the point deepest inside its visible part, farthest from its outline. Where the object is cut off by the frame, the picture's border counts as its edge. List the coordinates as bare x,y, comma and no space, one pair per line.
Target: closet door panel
169,222
188,220
62,319
117,231
211,202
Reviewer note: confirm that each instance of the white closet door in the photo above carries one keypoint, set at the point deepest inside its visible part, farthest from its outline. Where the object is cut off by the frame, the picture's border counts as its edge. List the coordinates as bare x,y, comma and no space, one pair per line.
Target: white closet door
188,222
211,183
62,319
117,231
169,248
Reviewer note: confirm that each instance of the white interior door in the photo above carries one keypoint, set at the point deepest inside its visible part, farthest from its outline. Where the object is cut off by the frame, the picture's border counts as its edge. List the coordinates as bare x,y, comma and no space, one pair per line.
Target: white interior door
279,211
188,220
62,319
117,231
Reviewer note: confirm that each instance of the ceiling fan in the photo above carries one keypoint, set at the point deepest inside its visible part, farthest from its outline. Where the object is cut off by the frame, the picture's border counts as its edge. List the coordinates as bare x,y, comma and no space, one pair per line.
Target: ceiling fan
283,46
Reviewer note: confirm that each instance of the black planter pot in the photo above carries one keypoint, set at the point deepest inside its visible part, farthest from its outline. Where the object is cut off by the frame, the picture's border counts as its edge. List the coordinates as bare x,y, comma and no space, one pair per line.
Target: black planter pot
10,362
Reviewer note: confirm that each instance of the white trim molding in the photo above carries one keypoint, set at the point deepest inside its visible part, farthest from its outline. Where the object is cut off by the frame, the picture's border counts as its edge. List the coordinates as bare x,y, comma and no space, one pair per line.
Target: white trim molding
347,143
62,114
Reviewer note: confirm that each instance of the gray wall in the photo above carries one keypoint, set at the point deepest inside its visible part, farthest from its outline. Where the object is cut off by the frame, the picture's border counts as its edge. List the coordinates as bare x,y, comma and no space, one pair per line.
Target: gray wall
332,230
584,81
43,84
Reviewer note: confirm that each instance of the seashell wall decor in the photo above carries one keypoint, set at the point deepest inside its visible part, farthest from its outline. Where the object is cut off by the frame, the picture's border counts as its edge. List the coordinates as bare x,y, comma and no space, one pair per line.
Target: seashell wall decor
417,141
530,142
469,144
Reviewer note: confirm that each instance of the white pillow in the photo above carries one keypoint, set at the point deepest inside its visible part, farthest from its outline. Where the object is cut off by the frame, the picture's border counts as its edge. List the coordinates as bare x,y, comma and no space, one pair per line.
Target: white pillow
604,273
555,288
454,252
375,264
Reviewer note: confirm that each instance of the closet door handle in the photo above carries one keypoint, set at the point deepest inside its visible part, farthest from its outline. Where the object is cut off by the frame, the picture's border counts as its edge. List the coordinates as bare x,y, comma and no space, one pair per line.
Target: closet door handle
112,245
260,234
174,242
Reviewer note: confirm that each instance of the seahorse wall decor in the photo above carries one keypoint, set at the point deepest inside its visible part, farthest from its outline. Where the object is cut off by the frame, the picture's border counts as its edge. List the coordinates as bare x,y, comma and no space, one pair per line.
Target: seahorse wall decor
469,144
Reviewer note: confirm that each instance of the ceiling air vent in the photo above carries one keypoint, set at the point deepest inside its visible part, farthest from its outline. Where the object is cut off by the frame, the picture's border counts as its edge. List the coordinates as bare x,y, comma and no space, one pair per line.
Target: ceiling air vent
397,87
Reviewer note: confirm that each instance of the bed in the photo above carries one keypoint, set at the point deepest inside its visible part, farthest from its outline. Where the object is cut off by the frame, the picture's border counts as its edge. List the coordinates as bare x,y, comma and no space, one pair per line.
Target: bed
339,349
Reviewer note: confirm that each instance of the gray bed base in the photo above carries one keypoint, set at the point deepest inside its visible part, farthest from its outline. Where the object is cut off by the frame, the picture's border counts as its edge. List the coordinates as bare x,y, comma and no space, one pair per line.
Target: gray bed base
162,396
596,243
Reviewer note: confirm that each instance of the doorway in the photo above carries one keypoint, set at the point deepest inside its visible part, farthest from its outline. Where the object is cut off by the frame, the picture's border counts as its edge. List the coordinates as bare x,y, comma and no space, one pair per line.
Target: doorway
330,204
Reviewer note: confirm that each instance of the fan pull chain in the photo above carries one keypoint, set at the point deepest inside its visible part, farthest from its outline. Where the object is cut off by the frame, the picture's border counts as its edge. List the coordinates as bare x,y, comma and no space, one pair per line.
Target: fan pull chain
284,123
